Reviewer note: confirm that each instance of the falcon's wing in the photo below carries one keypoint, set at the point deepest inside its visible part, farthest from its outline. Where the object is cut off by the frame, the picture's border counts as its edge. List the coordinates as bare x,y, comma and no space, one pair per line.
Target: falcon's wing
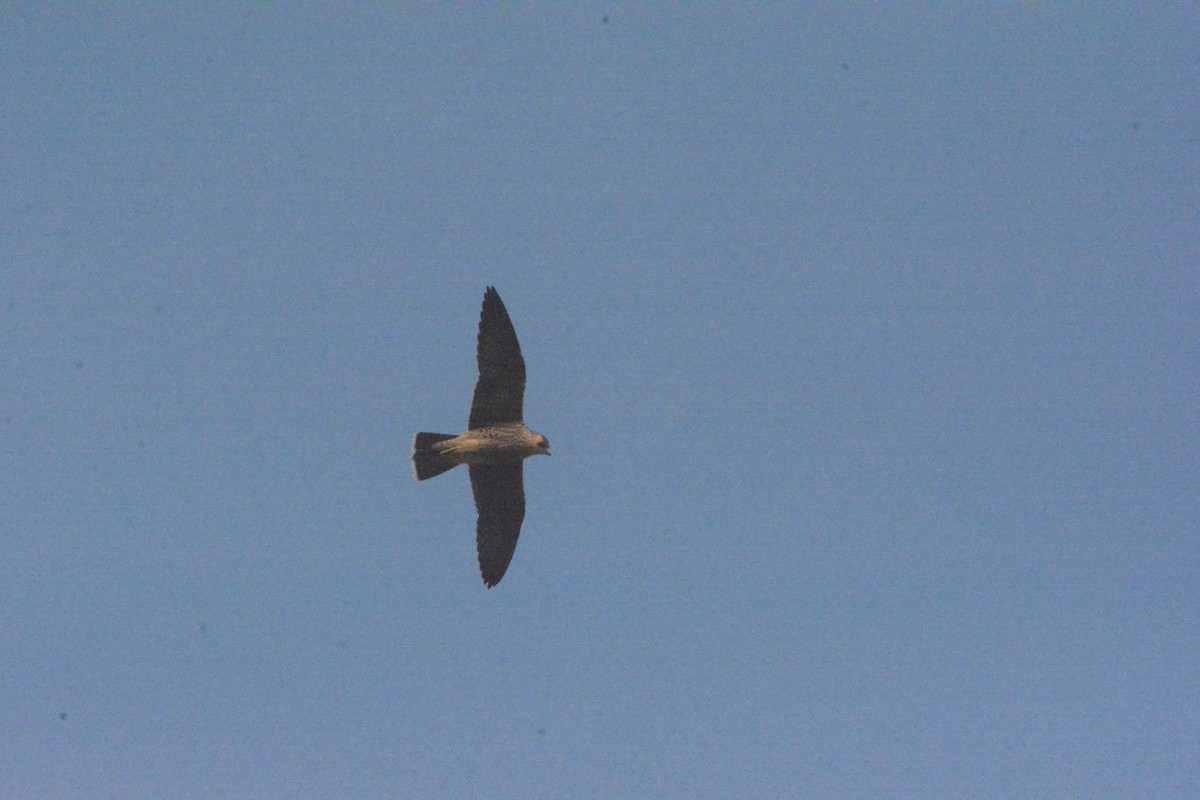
499,491
501,387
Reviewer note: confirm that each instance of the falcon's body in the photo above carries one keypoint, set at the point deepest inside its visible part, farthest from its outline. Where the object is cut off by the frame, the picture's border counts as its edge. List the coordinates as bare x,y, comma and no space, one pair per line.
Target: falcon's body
495,444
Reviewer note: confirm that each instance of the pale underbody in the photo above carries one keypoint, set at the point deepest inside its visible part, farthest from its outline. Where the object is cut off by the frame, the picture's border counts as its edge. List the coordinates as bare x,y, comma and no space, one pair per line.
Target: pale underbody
493,445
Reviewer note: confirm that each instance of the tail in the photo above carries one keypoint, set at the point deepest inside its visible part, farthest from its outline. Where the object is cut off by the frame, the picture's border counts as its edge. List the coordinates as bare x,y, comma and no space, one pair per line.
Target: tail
427,462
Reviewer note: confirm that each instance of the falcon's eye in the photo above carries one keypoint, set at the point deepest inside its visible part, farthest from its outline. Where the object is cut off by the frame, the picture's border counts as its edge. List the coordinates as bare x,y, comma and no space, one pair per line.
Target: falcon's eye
543,441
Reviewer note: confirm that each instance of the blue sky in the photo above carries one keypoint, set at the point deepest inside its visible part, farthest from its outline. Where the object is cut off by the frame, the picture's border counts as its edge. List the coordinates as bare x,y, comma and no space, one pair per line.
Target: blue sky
866,339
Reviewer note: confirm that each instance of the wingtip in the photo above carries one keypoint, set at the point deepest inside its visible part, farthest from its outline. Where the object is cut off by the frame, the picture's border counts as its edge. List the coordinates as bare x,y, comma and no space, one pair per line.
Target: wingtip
490,578
491,298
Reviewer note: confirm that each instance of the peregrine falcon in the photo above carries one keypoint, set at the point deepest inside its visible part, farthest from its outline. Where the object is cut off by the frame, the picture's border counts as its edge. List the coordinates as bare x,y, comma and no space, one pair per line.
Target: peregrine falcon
495,445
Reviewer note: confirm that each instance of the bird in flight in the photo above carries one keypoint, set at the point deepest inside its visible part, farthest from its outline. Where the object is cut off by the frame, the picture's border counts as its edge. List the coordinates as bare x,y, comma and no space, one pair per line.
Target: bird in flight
495,445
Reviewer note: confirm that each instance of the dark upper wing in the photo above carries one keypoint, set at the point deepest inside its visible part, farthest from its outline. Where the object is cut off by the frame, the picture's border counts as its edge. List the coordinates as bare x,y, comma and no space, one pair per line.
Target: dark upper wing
501,387
499,491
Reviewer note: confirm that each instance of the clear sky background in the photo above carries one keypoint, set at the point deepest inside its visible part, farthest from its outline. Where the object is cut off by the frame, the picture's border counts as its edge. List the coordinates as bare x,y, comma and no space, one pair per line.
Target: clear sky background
867,340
